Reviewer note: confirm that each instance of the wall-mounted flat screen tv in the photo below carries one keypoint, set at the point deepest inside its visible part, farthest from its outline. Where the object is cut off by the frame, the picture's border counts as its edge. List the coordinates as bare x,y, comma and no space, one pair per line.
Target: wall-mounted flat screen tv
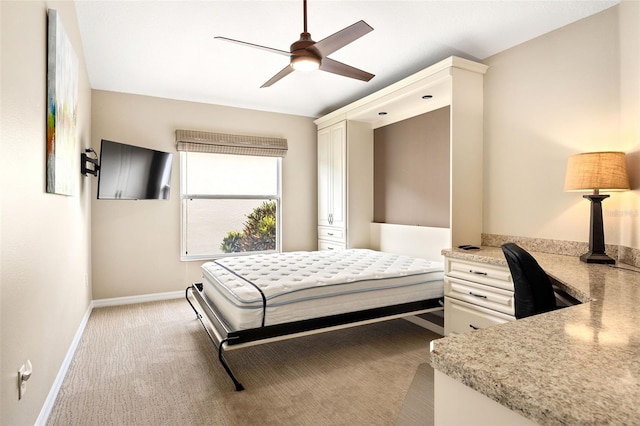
130,172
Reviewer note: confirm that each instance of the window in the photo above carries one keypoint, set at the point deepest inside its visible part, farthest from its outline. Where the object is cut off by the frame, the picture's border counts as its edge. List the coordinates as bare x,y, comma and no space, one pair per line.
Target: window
230,204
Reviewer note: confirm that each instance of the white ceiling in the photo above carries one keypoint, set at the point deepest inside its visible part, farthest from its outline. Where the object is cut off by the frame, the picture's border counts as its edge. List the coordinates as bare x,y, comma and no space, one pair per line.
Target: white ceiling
167,48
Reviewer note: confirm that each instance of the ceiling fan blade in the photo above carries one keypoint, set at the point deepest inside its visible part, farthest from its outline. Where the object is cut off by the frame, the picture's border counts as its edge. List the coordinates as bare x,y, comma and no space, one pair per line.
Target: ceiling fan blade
345,70
257,46
283,73
343,37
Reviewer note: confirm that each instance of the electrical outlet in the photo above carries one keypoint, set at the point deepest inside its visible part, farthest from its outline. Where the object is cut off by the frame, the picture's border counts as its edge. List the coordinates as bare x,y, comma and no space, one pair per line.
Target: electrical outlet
24,374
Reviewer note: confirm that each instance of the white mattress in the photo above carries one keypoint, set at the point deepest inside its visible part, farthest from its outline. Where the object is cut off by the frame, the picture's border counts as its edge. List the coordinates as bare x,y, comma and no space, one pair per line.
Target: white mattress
302,285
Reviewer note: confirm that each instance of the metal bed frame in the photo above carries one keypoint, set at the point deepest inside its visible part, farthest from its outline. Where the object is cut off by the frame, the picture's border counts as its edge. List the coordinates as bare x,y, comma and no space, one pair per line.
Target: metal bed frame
225,339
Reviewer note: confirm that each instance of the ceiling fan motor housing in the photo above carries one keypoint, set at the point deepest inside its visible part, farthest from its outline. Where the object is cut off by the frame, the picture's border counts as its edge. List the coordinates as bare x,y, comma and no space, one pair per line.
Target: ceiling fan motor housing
303,50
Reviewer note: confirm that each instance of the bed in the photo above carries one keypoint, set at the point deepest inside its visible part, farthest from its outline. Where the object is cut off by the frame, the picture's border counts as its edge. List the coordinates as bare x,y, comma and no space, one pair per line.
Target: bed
254,299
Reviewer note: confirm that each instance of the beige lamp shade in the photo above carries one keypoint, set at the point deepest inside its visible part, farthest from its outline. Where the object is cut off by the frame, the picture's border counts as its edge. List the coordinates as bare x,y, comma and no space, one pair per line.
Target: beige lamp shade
596,171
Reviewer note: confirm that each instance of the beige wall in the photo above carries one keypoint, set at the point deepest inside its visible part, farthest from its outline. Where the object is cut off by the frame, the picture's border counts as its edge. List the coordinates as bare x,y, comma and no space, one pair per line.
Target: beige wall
44,250
629,36
136,244
572,90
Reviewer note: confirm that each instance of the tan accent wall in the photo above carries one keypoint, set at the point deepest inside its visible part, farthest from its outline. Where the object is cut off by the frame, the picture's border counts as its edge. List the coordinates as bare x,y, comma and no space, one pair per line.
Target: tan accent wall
44,245
411,171
136,244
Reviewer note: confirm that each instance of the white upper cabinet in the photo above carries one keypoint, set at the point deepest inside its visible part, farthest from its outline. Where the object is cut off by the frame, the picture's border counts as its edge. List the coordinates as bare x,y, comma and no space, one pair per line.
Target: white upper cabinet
332,175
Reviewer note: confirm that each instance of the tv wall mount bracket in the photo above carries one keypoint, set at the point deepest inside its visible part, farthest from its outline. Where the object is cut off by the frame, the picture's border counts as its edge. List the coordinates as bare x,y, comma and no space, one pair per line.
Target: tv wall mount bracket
89,164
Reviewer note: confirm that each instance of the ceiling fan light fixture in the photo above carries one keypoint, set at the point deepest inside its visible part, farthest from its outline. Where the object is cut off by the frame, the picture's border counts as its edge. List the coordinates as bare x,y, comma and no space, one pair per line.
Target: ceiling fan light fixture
305,63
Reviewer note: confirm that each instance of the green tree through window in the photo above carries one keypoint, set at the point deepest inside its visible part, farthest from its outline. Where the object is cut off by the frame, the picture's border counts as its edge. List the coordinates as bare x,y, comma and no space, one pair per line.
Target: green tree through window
258,234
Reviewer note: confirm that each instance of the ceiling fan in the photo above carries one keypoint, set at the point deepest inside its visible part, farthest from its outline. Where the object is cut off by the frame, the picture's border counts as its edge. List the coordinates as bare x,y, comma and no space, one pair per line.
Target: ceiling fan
306,54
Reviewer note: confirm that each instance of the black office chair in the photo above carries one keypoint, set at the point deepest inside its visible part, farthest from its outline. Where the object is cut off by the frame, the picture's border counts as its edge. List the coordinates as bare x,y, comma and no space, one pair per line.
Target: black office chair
533,290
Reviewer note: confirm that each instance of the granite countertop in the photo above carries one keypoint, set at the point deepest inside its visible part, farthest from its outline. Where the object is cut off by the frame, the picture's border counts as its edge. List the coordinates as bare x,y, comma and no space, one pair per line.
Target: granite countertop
577,365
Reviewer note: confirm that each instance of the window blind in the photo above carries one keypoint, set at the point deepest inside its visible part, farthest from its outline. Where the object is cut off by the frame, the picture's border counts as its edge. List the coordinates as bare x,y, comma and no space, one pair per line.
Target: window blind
220,143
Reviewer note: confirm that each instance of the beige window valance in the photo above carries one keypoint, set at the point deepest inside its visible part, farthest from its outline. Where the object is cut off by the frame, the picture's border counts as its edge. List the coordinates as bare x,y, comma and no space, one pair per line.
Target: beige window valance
220,143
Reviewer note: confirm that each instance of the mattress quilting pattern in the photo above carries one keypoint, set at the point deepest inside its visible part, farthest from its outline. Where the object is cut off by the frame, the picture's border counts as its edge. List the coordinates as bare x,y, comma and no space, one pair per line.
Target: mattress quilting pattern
298,274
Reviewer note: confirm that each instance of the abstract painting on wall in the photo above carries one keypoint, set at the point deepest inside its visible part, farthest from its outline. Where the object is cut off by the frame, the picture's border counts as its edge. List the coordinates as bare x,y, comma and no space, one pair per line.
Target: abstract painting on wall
62,109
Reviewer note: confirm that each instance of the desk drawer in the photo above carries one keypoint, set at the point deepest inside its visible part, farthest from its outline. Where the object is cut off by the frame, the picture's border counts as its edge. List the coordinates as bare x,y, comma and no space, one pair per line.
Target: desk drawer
482,295
461,317
493,275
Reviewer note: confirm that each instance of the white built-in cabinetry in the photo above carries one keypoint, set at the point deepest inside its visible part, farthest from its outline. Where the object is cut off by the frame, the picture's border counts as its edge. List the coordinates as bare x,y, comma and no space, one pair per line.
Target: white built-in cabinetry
477,295
345,179
345,185
332,179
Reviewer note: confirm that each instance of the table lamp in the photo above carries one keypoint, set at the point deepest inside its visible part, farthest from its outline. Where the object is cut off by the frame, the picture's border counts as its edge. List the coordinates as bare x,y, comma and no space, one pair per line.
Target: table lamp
596,171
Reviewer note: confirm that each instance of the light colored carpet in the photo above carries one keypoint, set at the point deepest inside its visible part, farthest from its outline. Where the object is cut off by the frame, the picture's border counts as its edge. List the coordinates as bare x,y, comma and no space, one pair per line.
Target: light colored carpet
153,364
418,403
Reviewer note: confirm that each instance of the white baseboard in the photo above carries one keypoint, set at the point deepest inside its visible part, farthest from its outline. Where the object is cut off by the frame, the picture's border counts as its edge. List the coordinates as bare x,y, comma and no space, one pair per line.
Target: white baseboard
128,300
57,384
45,412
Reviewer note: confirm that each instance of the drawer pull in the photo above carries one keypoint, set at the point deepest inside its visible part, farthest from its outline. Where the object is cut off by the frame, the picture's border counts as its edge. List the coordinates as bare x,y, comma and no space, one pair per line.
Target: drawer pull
474,327
330,234
477,295
477,272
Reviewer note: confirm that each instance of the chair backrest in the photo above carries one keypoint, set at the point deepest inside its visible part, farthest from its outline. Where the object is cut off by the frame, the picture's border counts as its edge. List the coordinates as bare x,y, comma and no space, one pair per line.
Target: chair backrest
533,290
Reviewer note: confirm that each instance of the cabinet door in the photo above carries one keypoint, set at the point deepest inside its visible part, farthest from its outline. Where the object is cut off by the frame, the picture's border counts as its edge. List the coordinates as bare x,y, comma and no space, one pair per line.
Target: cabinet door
332,176
324,176
339,175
